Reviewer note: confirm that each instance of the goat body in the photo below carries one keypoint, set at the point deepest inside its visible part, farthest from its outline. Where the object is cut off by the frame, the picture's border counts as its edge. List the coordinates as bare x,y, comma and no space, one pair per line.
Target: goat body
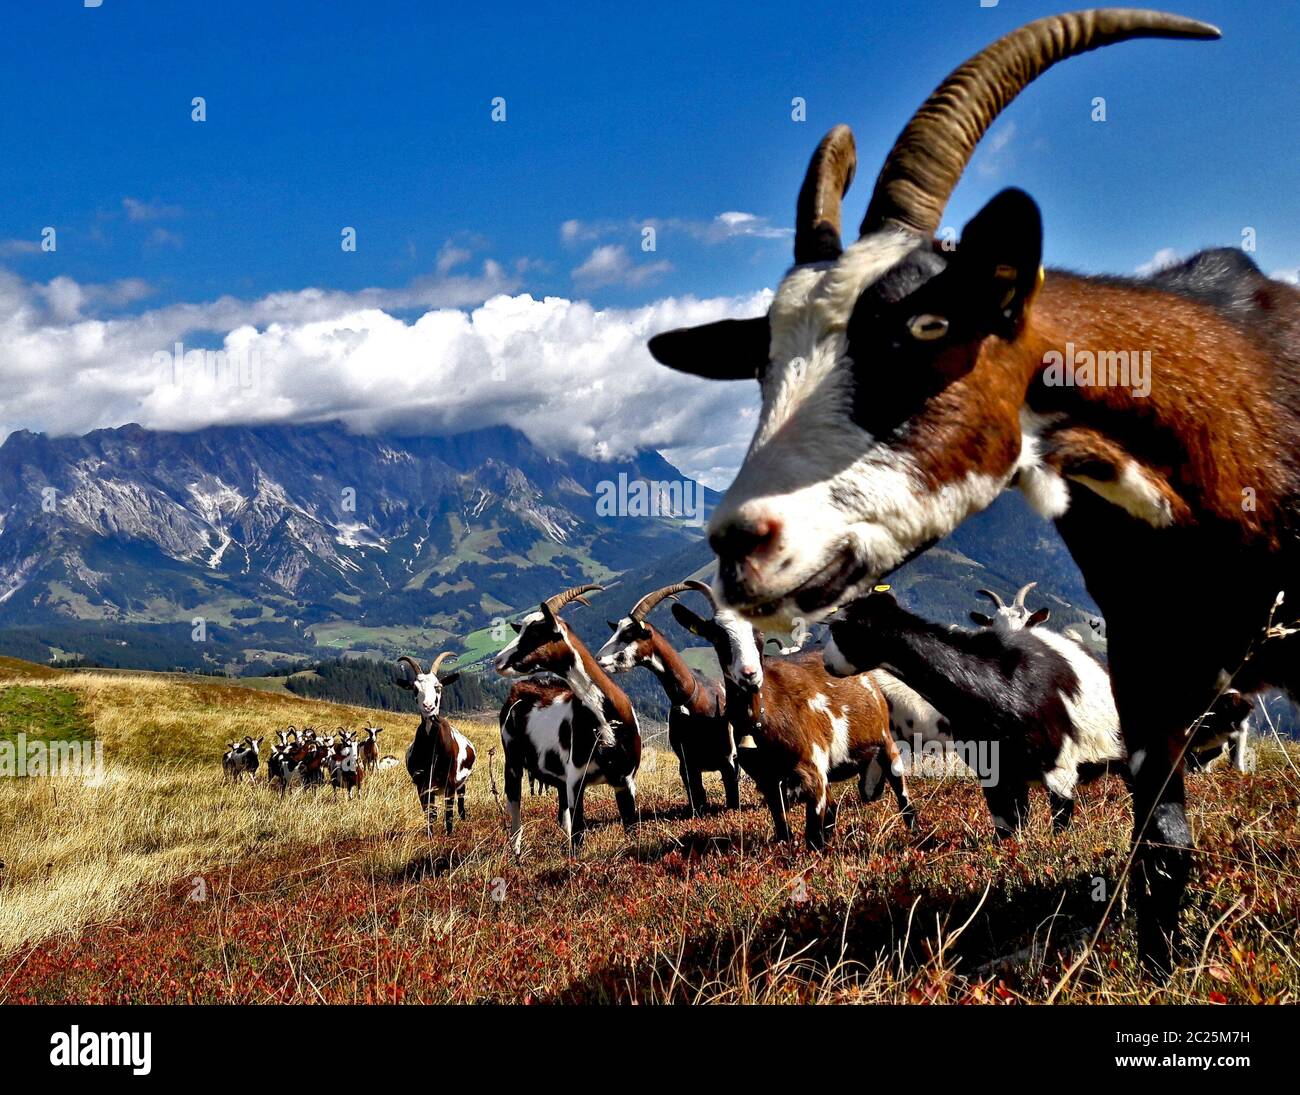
805,729
1038,698
439,760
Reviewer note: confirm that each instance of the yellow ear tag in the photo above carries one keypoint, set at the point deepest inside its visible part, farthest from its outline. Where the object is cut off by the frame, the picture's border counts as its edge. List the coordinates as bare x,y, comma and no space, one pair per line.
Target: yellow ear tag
1038,284
881,589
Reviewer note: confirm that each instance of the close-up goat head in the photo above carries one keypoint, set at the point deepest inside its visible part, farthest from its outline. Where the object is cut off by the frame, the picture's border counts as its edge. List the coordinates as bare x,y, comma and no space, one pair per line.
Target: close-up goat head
894,371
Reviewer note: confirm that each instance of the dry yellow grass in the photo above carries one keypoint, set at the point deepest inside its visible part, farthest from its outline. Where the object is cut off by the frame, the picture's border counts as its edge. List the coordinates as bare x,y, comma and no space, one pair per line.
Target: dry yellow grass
78,852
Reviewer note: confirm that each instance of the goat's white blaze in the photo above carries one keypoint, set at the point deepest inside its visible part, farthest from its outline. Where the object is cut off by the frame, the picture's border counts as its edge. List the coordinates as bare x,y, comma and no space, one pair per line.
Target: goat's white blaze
502,661
746,661
428,692
618,652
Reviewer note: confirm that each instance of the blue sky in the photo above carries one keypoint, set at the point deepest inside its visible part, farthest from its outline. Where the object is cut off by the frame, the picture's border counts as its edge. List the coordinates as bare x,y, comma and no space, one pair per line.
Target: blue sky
378,116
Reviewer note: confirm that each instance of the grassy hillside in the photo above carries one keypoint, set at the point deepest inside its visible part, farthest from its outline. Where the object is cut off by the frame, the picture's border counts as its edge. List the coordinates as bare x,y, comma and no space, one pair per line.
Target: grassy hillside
309,899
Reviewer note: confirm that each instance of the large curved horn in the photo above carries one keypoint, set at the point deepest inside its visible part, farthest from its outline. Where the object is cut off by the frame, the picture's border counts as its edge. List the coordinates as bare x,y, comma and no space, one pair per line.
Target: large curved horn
439,660
931,153
642,608
413,664
569,596
997,601
817,216
1020,597
703,587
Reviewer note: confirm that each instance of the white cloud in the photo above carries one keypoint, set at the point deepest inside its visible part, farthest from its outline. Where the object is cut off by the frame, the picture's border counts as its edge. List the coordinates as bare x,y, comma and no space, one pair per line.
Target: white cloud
139,211
610,264
1292,275
571,376
995,155
725,226
1163,258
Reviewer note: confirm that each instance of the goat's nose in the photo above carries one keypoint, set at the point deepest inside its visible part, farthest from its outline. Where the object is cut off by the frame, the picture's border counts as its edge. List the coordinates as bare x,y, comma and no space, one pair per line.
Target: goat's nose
744,536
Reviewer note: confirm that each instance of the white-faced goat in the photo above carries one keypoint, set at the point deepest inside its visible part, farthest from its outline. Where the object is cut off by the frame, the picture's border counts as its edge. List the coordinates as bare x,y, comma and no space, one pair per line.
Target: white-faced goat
368,747
698,730
905,383
571,735
440,758
1038,704
798,728
240,760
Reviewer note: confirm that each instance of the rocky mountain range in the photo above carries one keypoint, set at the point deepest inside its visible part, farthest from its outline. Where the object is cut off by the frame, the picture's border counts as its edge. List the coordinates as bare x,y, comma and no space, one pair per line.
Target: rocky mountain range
237,548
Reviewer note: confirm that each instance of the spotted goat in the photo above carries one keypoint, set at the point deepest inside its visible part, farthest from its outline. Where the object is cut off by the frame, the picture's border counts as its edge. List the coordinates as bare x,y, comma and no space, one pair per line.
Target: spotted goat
1040,706
440,759
569,735
798,729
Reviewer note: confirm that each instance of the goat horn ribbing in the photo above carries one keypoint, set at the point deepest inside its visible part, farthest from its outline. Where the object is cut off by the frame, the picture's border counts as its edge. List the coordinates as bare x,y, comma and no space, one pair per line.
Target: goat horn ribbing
413,664
817,215
1020,597
439,660
650,600
570,595
997,601
934,148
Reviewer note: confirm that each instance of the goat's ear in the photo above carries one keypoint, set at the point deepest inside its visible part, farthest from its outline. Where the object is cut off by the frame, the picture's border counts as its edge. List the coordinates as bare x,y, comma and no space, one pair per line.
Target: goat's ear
612,625
402,682
688,620
1000,262
731,349
981,619
450,678
516,626
1039,617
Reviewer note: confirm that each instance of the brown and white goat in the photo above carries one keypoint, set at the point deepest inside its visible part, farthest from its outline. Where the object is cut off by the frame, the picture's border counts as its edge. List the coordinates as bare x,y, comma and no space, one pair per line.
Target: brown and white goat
698,730
344,763
571,735
906,383
798,727
368,747
440,758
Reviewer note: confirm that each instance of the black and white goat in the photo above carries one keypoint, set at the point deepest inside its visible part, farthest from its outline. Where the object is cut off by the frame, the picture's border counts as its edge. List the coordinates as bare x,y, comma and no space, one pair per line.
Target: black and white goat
240,760
798,728
569,735
1039,698
440,758
1223,730
698,729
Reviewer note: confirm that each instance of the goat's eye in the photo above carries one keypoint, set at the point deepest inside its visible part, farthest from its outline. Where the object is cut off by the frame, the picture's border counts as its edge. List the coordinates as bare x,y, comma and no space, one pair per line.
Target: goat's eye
927,326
